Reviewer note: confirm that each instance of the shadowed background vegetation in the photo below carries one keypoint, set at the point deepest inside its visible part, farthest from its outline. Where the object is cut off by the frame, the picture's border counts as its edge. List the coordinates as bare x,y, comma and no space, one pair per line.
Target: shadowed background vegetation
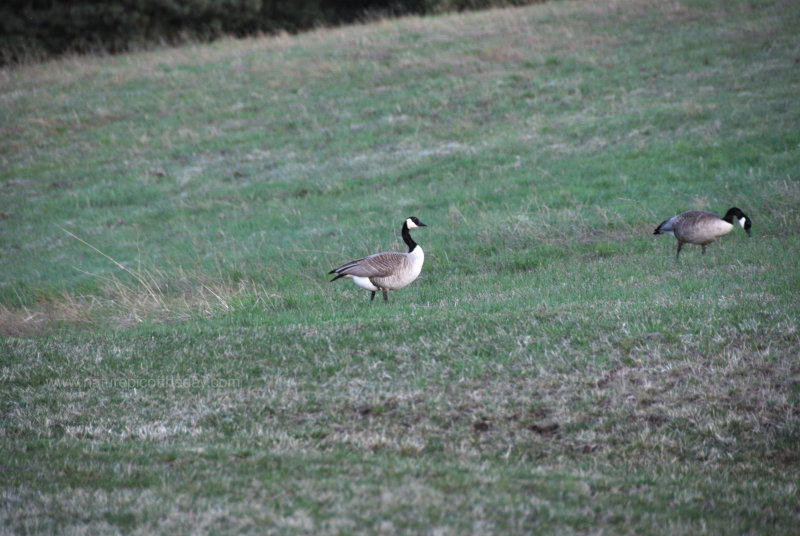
174,359
34,30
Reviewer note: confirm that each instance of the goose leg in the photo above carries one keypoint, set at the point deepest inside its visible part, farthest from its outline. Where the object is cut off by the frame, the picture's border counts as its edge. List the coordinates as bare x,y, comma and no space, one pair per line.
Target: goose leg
372,296
385,295
678,255
704,248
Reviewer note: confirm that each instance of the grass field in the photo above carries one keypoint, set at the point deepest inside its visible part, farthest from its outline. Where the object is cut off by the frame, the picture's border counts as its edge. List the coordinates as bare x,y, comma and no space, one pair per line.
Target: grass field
175,361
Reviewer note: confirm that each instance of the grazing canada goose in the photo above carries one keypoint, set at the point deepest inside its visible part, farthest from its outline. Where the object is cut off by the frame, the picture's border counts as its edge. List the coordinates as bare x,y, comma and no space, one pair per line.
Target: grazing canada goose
702,227
389,270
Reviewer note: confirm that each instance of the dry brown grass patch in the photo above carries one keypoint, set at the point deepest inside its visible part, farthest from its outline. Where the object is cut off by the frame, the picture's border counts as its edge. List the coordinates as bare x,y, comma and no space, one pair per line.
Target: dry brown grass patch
134,296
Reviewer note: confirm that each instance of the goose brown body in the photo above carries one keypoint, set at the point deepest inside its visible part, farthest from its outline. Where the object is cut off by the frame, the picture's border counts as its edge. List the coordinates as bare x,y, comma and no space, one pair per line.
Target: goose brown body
390,270
702,227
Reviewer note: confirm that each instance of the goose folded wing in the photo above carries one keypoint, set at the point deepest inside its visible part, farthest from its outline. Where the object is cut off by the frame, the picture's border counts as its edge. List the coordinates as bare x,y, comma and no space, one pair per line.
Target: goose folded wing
378,265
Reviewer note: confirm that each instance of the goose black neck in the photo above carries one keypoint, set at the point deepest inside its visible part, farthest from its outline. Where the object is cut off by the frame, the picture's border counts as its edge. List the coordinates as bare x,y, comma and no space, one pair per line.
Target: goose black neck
407,239
732,214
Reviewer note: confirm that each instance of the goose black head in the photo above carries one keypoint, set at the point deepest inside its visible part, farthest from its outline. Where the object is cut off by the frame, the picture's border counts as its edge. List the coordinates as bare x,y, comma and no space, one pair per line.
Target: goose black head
412,222
735,213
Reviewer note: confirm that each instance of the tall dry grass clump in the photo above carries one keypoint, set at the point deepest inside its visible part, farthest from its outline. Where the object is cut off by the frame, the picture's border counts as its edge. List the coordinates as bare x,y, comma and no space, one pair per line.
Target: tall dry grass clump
134,296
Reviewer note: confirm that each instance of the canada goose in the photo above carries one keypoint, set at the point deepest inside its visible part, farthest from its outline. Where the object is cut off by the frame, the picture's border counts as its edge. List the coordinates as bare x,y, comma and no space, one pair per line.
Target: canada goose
389,270
702,227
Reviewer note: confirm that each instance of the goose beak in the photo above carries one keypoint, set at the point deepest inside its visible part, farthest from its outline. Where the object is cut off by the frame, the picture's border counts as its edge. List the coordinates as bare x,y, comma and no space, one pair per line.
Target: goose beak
420,224
748,232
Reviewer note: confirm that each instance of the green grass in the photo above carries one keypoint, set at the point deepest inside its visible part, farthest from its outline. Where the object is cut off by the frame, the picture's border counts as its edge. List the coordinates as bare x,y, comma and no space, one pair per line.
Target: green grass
175,361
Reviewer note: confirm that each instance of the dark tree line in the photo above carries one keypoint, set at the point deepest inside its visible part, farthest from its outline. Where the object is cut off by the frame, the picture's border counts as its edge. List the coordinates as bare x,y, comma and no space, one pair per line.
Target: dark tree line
41,28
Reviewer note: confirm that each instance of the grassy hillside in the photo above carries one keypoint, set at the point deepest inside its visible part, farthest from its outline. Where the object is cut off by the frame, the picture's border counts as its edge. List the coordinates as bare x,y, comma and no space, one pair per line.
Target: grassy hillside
174,359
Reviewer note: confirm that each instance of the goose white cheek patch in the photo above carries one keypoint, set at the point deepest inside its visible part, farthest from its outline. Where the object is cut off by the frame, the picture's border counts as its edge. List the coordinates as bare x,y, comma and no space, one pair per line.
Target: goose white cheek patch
742,222
410,224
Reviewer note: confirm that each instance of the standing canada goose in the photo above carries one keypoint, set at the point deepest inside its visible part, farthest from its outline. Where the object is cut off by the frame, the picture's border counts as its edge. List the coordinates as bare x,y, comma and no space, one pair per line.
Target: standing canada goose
389,270
702,227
